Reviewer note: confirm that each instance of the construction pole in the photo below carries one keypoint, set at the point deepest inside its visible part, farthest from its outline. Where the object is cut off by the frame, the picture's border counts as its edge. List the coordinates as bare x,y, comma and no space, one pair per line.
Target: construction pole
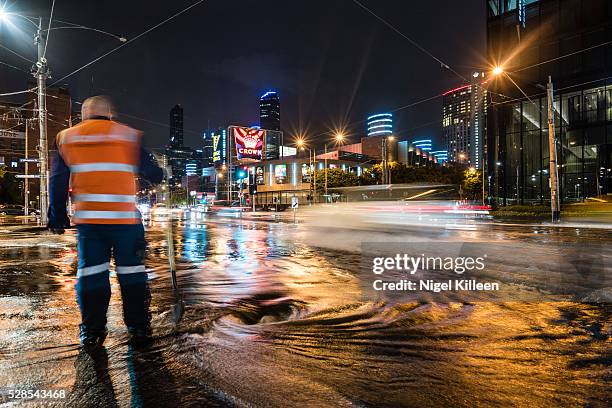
41,77
552,148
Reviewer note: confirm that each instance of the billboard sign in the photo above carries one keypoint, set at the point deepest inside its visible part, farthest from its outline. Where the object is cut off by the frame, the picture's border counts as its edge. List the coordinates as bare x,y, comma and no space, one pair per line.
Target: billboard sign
259,175
249,143
280,173
306,173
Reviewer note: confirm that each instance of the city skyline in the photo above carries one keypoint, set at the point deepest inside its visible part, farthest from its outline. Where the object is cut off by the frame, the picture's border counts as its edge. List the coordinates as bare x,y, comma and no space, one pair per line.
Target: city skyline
335,78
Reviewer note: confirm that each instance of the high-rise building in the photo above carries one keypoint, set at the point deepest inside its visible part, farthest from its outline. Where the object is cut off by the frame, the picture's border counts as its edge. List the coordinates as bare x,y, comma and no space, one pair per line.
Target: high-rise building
207,149
176,126
269,111
568,41
177,154
423,144
463,114
380,124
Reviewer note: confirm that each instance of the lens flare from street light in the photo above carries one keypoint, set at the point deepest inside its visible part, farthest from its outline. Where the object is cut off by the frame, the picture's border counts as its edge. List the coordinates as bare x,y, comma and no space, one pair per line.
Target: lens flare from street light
498,70
3,15
339,137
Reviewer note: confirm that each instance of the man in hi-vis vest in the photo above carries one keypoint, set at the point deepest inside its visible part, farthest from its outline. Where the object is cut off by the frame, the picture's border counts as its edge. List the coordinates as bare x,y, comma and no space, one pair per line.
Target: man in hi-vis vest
100,160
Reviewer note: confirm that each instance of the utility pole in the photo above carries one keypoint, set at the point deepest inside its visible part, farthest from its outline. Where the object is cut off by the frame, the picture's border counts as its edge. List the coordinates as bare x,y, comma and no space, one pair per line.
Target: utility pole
26,184
385,175
552,147
41,75
325,172
314,174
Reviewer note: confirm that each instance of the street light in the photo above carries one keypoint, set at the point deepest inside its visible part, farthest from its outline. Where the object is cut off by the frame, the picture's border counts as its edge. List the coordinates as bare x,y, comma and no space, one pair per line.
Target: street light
498,70
339,138
41,72
300,142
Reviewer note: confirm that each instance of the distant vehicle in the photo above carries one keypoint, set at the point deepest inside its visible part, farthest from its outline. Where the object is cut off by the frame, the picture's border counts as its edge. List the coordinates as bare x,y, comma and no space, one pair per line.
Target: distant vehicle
220,206
16,209
160,210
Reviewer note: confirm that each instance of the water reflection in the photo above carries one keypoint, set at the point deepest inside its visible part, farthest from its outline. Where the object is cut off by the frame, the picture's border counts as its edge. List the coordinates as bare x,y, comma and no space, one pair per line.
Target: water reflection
274,316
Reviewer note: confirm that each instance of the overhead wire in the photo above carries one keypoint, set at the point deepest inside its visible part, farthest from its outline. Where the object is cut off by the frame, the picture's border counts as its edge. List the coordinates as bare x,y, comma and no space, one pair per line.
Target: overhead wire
14,67
49,29
130,41
16,53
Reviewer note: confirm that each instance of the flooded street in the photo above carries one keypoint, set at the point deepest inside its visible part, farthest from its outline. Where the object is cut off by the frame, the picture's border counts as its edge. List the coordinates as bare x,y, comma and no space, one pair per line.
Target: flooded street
273,314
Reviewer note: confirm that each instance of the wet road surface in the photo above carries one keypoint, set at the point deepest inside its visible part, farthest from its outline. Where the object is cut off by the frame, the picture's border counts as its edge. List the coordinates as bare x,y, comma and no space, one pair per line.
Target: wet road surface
273,315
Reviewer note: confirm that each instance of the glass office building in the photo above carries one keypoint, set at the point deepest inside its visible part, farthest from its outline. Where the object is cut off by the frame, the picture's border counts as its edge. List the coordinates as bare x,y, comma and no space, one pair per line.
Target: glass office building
562,40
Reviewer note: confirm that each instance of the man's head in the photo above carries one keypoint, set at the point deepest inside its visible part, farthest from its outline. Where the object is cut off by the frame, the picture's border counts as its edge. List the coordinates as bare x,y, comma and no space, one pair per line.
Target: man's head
97,106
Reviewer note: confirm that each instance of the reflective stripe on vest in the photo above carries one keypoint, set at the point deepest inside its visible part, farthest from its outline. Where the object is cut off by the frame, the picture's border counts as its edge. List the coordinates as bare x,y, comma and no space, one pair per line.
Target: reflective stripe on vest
132,138
115,215
89,167
104,198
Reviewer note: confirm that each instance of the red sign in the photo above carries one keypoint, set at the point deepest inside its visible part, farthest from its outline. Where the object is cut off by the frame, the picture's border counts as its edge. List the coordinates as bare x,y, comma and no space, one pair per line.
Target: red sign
249,143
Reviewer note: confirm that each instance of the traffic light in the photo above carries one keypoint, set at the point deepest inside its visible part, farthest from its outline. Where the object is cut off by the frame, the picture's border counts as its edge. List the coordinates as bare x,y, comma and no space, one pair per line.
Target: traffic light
242,173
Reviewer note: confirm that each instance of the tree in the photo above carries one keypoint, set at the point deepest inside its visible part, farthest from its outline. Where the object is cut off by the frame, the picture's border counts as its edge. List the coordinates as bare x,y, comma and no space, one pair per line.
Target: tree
472,184
336,178
9,187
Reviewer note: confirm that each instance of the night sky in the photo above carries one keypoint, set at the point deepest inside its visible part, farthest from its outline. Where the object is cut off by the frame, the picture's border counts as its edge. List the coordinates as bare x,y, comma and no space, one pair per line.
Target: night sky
332,62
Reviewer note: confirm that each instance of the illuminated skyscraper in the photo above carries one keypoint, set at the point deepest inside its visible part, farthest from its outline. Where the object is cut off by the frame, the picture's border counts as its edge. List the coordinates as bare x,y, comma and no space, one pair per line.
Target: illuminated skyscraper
463,122
380,124
269,111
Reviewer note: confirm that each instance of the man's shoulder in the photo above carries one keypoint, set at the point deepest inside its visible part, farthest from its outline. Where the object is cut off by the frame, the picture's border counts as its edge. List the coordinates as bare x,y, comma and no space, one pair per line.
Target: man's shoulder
124,128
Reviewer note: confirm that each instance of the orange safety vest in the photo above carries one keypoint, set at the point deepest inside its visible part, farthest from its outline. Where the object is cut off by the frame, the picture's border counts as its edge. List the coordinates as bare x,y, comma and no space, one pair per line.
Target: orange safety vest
103,157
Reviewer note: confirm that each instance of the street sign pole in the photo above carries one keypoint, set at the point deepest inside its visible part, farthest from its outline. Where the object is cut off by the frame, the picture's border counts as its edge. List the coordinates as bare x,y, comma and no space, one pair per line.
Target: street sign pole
294,205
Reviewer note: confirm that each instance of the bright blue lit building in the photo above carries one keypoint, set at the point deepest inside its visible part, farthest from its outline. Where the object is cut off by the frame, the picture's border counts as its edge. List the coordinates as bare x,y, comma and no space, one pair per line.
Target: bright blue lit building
441,155
380,124
423,144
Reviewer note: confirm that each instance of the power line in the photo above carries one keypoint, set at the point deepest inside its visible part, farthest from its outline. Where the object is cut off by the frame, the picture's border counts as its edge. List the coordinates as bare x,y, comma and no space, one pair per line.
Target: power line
563,56
14,67
16,53
129,41
414,43
17,92
557,89
420,47
49,29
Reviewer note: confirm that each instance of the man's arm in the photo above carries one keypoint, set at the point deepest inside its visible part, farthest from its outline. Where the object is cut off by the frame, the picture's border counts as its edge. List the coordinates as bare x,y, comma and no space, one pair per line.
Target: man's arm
149,170
58,193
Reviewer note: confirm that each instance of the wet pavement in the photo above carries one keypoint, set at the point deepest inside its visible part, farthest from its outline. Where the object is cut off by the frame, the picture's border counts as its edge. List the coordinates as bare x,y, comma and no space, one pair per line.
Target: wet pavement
272,314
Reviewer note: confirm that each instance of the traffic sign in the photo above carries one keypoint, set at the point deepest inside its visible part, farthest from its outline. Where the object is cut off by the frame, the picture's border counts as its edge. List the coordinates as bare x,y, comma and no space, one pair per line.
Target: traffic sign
28,176
294,202
29,160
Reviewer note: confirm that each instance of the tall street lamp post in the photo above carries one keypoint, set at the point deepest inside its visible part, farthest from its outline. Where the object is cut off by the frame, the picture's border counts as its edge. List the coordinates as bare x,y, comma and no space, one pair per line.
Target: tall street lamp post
312,165
338,138
41,72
